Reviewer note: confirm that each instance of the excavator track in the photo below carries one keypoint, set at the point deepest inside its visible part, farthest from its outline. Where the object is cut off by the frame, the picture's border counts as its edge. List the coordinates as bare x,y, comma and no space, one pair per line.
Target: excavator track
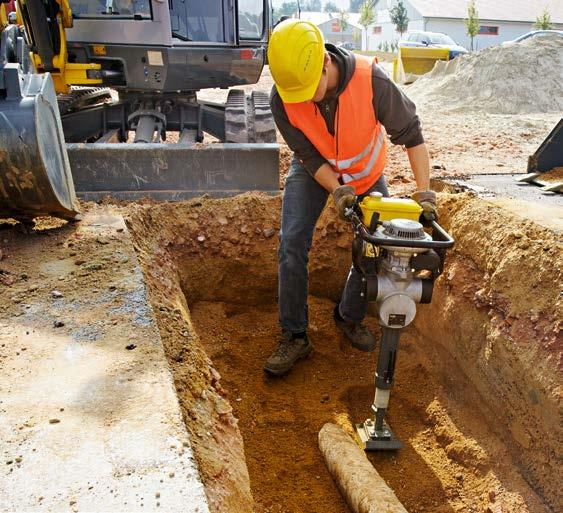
81,97
261,118
249,119
236,117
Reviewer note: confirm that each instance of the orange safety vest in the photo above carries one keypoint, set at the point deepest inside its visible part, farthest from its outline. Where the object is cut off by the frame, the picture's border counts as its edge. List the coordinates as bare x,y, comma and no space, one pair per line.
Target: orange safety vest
358,150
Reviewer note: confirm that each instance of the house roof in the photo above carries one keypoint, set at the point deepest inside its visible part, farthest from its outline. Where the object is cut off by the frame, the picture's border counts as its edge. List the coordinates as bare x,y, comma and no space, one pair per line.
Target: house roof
502,10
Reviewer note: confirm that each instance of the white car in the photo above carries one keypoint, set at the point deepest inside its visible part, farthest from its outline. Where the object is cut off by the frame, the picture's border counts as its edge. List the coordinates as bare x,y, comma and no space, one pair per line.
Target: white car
534,34
420,39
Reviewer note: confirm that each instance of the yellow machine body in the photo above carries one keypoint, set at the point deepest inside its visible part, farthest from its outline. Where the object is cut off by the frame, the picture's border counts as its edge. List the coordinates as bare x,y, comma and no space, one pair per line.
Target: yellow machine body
65,73
3,17
389,208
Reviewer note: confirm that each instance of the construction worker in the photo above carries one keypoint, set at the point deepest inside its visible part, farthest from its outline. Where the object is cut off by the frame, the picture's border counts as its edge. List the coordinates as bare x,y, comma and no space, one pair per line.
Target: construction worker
334,109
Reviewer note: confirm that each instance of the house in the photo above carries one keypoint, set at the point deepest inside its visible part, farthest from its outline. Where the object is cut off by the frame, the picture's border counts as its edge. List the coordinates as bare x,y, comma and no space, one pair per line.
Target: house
329,25
500,20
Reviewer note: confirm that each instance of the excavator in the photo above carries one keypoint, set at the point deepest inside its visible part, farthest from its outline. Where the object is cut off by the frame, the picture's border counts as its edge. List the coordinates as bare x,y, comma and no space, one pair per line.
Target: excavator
100,97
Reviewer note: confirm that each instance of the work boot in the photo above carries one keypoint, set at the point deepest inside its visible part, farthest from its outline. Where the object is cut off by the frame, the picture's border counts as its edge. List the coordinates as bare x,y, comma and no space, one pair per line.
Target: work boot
359,335
289,350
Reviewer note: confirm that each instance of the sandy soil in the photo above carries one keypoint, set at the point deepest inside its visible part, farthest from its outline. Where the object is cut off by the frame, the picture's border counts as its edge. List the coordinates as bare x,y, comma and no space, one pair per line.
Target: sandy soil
553,176
280,419
505,275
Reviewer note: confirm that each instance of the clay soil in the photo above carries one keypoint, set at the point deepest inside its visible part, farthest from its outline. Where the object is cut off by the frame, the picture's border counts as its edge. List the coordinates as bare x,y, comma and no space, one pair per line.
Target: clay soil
456,457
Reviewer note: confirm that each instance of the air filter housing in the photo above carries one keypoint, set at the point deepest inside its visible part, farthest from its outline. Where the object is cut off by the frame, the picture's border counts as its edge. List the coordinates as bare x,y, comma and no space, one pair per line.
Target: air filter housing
404,229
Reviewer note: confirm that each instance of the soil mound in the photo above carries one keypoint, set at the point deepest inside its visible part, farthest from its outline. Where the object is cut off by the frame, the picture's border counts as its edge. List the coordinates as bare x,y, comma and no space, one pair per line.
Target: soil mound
513,79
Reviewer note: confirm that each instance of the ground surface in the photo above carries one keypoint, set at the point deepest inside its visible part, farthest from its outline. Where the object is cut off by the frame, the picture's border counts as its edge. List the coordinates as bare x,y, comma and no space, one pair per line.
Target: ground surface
459,144
211,277
81,368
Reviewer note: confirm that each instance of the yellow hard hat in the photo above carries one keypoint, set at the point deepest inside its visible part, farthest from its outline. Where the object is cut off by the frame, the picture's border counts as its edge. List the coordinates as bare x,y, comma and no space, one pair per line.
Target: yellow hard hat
296,55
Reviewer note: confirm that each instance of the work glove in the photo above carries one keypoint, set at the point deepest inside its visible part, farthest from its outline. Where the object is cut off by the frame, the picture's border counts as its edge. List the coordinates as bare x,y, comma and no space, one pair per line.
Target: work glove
427,200
343,197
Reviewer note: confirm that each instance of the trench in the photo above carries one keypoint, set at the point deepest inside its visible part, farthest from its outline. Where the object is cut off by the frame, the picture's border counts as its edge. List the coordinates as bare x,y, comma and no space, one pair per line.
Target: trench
467,373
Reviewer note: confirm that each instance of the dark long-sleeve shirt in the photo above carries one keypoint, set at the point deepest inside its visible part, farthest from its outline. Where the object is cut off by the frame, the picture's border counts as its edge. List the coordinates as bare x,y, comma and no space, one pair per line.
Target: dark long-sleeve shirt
394,110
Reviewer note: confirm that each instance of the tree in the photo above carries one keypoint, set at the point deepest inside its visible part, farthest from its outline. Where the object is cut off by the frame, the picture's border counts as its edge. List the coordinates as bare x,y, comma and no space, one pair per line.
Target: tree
399,17
367,17
356,5
331,7
543,21
286,9
472,21
311,5
357,38
343,22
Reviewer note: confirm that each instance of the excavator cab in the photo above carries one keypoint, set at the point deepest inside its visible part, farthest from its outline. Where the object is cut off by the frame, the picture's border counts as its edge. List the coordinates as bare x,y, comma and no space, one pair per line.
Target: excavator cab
82,81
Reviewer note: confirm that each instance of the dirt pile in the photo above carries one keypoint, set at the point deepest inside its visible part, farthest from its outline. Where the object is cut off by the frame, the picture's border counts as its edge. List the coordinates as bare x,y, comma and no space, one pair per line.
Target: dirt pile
512,79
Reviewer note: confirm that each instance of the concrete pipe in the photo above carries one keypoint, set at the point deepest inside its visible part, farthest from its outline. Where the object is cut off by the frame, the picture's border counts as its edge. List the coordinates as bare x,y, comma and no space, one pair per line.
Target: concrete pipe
360,484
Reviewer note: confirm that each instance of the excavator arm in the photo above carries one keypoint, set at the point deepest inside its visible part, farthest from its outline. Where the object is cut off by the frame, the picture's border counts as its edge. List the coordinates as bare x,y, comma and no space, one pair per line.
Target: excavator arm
45,22
3,17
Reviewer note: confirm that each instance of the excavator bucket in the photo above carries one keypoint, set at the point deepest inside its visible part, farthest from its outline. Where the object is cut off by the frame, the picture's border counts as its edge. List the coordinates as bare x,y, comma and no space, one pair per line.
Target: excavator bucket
412,62
549,155
35,176
545,166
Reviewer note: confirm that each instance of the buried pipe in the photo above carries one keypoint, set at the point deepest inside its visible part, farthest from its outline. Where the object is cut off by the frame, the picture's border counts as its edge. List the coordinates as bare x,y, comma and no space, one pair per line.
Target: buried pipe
363,488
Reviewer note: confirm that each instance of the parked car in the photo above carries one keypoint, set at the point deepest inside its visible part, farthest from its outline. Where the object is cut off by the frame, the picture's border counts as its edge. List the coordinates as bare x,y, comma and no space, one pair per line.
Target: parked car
534,34
349,46
418,38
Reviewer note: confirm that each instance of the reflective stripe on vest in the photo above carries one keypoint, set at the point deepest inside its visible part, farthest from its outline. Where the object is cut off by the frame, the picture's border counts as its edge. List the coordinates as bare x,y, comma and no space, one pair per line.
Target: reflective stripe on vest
346,163
346,178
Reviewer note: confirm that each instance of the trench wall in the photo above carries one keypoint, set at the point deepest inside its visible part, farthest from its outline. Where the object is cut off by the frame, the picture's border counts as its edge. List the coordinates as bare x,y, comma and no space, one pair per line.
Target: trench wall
216,440
496,311
493,317
220,250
